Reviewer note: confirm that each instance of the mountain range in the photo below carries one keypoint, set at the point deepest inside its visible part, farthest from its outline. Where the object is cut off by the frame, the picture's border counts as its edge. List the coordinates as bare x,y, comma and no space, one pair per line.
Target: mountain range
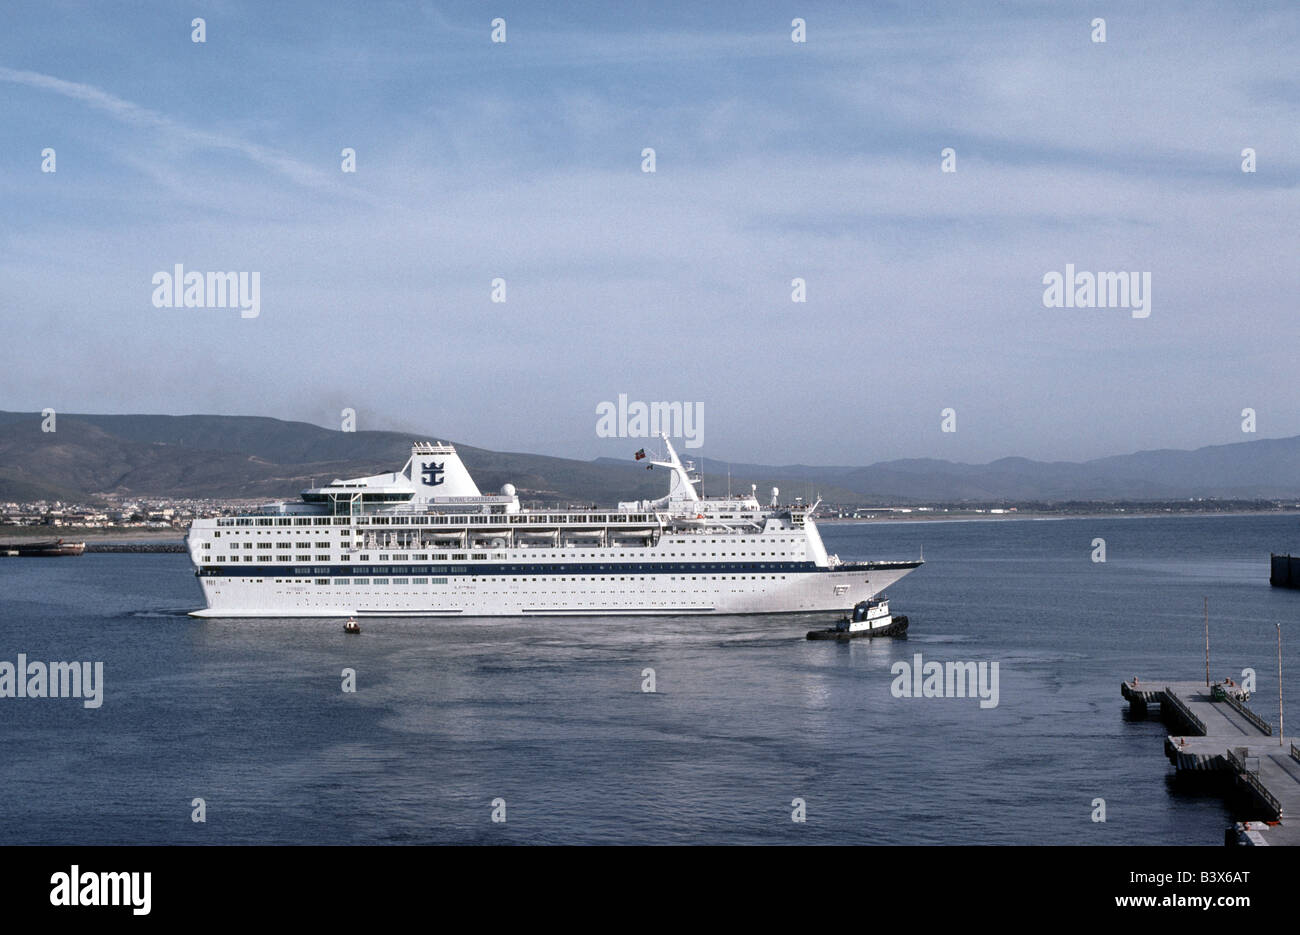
204,456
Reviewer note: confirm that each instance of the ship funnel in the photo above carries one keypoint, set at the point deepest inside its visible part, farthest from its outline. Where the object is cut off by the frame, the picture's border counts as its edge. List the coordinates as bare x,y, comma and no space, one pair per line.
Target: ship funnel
436,470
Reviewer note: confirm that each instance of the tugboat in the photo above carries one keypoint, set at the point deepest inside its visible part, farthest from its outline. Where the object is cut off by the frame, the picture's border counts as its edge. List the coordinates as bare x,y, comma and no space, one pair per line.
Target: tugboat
352,626
869,618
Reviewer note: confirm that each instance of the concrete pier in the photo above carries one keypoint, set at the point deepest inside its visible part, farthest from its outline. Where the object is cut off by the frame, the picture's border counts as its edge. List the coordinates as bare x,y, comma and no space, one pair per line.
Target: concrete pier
1222,735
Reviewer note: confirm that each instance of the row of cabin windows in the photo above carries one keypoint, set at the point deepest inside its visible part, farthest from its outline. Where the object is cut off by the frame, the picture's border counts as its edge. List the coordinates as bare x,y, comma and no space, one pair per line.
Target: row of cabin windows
325,557
258,532
534,580
440,520
488,556
341,582
500,556
496,516
420,581
285,521
326,545
385,581
278,558
346,534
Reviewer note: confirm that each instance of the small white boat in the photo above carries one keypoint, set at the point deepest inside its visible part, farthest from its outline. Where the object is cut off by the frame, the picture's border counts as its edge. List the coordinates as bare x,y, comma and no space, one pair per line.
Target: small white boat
351,626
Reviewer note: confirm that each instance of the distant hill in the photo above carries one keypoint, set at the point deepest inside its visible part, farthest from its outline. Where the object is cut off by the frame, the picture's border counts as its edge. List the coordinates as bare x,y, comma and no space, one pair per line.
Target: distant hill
1263,469
244,456
255,457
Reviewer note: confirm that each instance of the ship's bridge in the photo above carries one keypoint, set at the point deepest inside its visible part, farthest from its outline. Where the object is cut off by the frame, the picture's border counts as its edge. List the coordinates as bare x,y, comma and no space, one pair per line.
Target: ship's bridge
336,493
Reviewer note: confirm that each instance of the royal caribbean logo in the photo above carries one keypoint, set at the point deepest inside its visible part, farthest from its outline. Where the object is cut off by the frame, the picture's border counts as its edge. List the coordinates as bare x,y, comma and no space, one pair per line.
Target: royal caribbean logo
432,473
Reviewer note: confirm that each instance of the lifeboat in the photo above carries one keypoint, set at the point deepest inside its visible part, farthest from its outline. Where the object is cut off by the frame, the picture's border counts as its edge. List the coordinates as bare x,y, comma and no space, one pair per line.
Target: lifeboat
690,522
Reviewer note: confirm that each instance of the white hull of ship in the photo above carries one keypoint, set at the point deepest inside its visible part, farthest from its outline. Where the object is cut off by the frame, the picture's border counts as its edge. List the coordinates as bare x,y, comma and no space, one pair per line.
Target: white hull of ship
511,596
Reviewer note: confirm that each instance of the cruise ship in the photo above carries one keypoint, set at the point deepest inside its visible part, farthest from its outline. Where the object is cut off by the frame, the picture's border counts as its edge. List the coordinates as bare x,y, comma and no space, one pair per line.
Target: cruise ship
424,542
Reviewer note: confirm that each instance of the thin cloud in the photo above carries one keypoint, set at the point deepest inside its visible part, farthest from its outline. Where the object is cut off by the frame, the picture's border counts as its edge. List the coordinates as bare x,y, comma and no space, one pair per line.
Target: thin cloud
142,117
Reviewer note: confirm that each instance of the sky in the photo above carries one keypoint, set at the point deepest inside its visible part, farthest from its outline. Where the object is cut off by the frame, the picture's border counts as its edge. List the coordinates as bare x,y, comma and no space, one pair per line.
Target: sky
523,160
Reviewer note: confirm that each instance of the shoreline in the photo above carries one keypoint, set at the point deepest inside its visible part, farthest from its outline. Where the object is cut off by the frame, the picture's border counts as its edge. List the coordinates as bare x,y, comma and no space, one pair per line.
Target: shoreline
23,535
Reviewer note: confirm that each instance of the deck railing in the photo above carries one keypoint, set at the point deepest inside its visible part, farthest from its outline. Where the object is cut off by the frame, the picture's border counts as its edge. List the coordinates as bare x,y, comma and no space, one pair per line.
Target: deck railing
1249,715
1253,781
1177,704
